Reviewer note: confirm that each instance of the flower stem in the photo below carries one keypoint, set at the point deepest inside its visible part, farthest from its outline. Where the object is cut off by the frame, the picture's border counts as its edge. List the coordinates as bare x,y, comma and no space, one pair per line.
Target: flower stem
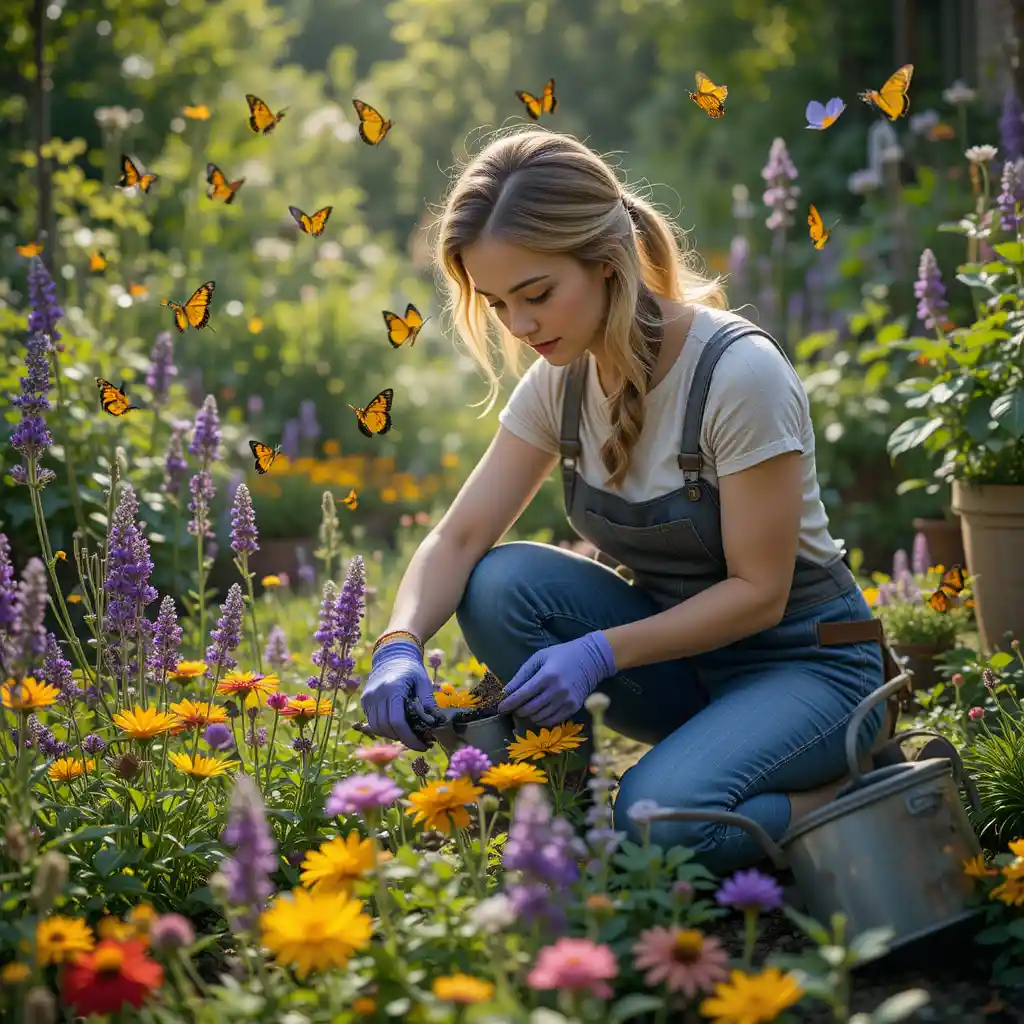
749,936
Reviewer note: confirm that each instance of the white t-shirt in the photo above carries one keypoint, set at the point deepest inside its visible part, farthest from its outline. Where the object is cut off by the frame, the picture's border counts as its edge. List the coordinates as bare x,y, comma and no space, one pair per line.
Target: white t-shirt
756,409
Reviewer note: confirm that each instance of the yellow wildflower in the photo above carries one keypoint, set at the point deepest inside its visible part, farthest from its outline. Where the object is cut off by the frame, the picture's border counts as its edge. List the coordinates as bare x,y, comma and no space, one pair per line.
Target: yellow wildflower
535,746
60,940
512,776
463,989
442,804
338,864
752,998
27,695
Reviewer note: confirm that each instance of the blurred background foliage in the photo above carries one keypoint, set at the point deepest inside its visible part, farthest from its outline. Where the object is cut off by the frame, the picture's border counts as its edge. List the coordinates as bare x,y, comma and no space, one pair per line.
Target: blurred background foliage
297,321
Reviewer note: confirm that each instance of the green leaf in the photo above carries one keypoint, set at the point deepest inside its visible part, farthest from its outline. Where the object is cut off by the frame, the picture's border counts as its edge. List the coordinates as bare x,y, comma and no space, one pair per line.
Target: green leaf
1008,410
810,926
92,832
1000,660
912,434
900,1006
872,943
632,1006
108,861
977,419
1016,927
905,486
1013,252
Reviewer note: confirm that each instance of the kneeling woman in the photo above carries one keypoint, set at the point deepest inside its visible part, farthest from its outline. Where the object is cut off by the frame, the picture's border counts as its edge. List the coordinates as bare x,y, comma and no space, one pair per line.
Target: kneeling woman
741,644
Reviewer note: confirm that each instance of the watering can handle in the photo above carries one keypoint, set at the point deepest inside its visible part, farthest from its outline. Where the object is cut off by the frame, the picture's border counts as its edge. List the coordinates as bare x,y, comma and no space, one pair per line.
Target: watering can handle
726,818
860,712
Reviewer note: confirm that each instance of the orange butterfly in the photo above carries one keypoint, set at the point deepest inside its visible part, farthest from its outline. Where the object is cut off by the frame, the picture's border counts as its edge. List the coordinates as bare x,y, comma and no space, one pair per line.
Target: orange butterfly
351,500
114,400
953,582
30,249
219,186
132,177
819,233
709,97
892,99
546,103
376,417
404,329
264,455
313,225
97,261
194,313
261,117
373,127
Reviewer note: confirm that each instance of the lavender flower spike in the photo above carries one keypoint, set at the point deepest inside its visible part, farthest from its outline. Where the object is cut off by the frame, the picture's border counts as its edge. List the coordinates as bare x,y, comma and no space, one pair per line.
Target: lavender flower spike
42,297
1009,207
202,491
350,605
8,591
174,461
244,535
780,195
276,655
129,569
930,291
228,634
163,656
206,435
161,367
31,436
248,870
31,609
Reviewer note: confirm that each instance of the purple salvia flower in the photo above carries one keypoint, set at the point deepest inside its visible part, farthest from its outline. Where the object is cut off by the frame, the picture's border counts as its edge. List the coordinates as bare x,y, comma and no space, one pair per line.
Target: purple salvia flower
248,870
308,424
93,744
468,761
57,671
290,438
277,655
780,195
42,296
161,367
8,590
244,535
175,465
1011,126
1007,201
163,657
900,564
31,436
228,634
542,849
351,602
206,432
202,491
30,613
750,890
533,903
920,559
307,574
218,737
129,568
929,290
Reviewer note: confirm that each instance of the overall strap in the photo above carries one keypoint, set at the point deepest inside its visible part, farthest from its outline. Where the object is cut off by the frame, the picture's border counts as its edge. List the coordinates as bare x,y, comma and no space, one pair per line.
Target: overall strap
569,442
690,459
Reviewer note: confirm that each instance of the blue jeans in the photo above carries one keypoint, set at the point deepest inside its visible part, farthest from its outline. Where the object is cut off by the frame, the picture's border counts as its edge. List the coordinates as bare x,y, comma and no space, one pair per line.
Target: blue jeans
734,729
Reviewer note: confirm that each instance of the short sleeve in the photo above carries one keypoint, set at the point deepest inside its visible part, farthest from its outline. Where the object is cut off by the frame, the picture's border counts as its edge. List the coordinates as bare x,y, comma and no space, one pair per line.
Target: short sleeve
533,410
757,407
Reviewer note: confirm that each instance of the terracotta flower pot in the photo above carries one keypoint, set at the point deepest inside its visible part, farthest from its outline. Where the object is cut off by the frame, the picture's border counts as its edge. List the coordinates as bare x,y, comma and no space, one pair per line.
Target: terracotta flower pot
945,541
992,516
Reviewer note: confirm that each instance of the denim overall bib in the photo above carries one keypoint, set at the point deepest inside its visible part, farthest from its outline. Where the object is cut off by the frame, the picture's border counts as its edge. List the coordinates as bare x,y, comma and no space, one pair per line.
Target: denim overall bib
672,545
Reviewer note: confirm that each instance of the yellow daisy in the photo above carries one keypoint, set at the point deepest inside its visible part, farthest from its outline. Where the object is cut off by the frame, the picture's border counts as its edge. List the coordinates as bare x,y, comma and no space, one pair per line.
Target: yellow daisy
269,582
463,989
1010,892
976,868
60,940
144,723
534,746
512,776
752,998
201,112
187,670
14,973
314,931
242,684
27,695
64,769
338,864
201,766
195,715
442,804
449,697
303,706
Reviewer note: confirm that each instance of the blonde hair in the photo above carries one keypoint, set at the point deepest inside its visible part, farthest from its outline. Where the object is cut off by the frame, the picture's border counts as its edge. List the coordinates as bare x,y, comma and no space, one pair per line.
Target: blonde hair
549,193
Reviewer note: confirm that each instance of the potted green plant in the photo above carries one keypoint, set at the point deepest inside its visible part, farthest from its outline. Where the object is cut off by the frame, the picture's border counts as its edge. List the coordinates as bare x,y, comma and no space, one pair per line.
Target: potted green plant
916,631
967,404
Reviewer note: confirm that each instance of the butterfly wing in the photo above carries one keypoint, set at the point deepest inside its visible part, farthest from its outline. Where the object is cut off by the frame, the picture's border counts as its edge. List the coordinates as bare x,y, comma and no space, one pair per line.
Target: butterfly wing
398,330
940,601
180,320
819,233
376,417
197,309
318,221
218,183
300,218
953,581
130,176
29,250
892,97
233,188
264,455
372,125
146,181
534,106
351,500
709,97
549,102
97,261
113,400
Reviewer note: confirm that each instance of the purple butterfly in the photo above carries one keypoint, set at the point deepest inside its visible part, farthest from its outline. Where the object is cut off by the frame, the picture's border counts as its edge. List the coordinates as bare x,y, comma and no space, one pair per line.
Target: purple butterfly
820,116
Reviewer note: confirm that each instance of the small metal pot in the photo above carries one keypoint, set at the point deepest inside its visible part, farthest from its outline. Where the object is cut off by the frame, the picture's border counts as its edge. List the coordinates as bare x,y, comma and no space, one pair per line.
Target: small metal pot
888,851
491,735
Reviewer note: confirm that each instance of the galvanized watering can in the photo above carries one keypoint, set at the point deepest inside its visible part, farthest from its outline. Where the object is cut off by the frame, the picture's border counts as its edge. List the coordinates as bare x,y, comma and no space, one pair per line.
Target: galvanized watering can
888,851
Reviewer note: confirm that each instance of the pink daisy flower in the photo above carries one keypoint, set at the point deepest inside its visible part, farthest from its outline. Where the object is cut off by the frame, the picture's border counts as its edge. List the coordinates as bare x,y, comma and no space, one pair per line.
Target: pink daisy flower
683,958
380,754
575,965
359,794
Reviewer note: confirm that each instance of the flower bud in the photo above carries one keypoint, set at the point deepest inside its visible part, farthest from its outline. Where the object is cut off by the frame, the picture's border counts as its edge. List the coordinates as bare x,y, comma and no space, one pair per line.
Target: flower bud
40,1006
976,714
490,803
958,679
597,703
127,767
18,848
219,886
51,877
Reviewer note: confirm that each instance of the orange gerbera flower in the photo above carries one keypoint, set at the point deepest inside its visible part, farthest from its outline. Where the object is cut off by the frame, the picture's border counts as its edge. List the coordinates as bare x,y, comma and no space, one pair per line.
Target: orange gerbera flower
242,684
303,707
27,694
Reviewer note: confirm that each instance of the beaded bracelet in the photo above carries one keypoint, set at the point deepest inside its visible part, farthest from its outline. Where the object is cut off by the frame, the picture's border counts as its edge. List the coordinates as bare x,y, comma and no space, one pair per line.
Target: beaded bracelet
394,634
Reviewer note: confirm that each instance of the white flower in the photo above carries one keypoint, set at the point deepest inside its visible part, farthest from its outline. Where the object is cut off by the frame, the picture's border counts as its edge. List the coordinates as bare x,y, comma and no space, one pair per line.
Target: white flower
959,94
642,811
493,914
860,183
981,154
597,703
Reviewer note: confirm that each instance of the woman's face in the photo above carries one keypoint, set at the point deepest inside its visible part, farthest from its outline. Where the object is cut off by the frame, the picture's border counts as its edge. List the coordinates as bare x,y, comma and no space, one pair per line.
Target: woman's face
553,303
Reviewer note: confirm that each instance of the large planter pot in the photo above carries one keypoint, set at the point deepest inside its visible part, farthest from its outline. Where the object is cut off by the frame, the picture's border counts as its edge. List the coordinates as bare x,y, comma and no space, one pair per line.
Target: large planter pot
992,516
945,541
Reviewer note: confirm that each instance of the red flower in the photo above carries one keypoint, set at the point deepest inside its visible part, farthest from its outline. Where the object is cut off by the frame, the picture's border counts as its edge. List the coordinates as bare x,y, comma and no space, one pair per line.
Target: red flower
113,975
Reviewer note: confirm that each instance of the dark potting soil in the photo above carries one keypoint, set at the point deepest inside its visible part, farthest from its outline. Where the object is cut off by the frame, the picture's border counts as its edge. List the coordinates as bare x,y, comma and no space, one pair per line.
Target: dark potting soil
949,965
489,692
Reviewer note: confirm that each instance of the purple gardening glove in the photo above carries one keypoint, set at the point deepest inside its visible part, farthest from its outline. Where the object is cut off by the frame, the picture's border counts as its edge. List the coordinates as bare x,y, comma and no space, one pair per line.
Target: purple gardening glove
397,672
553,684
